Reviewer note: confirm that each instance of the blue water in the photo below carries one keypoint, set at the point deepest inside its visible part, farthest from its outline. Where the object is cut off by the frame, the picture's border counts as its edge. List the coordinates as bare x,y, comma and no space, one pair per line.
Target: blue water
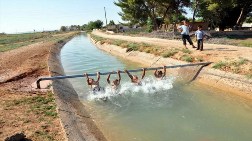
157,110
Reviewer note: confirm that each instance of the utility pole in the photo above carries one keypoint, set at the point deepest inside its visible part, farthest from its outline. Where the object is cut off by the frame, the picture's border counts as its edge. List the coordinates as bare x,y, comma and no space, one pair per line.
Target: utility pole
105,15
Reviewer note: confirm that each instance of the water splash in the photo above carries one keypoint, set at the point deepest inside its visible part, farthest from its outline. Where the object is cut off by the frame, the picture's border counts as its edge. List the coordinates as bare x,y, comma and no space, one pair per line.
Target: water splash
150,85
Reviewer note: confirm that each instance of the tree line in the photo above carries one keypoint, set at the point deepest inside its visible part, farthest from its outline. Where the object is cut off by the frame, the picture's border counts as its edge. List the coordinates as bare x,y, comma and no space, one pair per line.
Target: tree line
218,13
98,24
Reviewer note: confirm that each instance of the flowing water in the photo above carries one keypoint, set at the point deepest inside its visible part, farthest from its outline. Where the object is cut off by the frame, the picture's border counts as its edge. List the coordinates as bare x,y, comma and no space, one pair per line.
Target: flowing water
157,110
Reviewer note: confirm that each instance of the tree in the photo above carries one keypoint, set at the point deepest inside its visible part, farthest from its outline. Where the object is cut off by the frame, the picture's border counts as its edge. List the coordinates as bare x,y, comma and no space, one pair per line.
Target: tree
248,19
98,24
83,27
149,25
138,11
245,7
63,28
224,13
94,25
133,11
111,22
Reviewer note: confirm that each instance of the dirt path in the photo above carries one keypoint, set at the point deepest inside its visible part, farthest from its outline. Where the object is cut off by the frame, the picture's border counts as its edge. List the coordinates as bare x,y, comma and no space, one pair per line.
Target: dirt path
212,52
23,108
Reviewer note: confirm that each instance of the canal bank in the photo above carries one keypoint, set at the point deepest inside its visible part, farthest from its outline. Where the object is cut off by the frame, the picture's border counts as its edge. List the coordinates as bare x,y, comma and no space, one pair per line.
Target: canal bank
76,121
26,110
157,110
232,83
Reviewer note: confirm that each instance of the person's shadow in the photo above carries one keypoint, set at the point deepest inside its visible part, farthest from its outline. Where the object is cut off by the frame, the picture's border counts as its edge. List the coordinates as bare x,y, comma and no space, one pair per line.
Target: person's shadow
17,137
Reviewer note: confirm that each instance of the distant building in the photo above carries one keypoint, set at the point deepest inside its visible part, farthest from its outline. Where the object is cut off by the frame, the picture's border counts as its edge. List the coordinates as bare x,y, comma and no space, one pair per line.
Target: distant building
118,28
247,26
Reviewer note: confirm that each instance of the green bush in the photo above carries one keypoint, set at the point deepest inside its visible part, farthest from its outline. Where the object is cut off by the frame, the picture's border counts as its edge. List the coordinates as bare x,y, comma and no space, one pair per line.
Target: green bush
220,65
132,47
185,50
117,42
169,53
187,58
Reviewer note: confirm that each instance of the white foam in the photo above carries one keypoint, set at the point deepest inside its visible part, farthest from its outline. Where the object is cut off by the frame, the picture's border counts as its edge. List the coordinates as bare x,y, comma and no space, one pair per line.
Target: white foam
149,85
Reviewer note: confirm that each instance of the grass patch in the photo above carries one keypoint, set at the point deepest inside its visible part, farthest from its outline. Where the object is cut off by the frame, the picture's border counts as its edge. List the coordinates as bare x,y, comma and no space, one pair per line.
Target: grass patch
40,105
16,38
13,41
147,50
8,47
236,66
117,42
144,46
185,50
187,58
43,135
245,43
249,76
97,38
241,61
169,53
220,65
132,47
199,59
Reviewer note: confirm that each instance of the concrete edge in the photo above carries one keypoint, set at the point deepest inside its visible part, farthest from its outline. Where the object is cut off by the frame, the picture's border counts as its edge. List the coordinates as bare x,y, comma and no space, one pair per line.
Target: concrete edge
75,120
226,81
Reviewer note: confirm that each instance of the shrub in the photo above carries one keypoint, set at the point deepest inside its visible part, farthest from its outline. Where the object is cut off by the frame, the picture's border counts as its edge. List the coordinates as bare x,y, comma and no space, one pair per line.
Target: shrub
187,58
60,41
200,59
169,53
124,44
117,42
242,61
147,50
185,50
219,65
132,47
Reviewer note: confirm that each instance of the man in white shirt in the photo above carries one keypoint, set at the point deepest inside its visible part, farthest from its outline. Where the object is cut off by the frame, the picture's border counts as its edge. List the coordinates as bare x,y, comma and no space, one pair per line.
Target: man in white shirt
185,34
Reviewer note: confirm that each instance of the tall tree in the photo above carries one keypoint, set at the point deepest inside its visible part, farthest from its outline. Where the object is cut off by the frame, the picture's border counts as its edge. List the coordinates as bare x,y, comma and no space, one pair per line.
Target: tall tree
63,28
245,7
111,22
138,11
224,13
94,25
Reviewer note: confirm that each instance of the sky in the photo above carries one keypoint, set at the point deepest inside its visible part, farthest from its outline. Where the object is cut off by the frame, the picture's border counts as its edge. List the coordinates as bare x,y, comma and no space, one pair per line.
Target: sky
18,16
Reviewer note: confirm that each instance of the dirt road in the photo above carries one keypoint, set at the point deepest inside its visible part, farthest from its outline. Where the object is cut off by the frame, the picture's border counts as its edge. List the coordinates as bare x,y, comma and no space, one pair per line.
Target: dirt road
212,52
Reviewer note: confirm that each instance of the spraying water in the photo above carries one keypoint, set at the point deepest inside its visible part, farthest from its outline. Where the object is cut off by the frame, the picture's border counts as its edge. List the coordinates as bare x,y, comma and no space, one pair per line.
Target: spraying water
149,85
156,110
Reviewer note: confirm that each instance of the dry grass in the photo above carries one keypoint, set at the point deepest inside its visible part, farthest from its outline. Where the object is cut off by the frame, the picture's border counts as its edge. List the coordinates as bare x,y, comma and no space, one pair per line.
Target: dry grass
33,115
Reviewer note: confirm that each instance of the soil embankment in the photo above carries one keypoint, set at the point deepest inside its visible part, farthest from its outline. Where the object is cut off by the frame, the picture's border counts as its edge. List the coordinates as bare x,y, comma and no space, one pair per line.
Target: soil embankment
227,81
33,112
19,68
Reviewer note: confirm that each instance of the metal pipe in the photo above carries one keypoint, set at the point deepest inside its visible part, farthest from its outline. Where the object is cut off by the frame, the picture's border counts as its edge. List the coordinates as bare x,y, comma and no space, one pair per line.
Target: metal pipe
106,73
